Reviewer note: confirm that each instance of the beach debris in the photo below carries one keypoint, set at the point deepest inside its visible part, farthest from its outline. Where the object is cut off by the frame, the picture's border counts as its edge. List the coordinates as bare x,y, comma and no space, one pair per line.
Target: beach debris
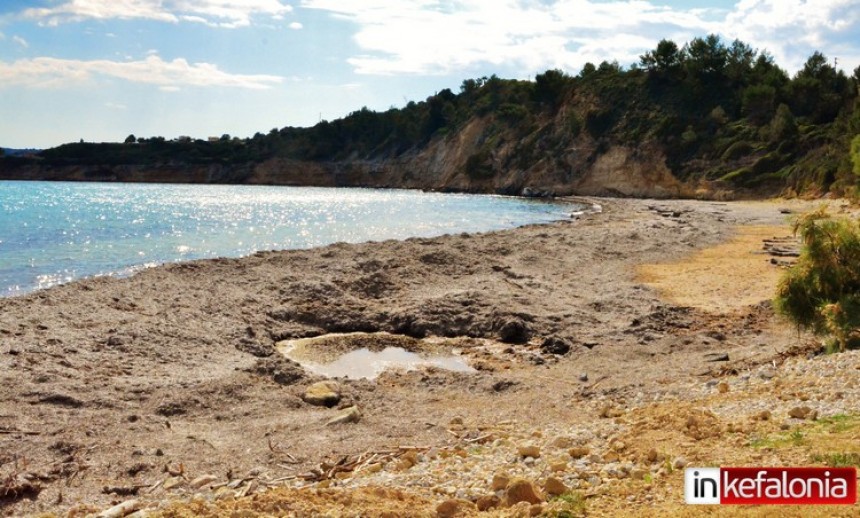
717,357
323,393
19,485
121,510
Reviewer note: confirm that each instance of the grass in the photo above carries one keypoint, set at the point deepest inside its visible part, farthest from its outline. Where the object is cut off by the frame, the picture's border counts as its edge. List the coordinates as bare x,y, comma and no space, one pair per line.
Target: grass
572,504
837,460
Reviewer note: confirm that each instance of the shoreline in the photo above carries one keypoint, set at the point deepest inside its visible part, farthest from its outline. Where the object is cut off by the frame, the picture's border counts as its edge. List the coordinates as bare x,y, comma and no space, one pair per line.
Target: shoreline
122,379
568,207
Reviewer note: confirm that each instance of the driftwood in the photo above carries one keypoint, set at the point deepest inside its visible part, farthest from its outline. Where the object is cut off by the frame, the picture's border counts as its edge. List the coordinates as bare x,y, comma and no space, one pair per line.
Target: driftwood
120,510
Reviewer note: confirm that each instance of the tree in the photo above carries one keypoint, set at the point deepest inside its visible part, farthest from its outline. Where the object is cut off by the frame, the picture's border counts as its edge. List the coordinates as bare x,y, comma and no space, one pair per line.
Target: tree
757,103
550,87
855,154
822,291
131,139
664,60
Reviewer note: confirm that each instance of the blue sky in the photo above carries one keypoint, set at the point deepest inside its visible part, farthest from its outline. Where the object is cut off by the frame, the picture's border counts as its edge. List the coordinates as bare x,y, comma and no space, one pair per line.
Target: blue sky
99,70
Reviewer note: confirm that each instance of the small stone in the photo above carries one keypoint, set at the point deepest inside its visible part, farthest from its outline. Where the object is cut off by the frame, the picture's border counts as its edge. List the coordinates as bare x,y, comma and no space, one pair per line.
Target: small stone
619,446
455,507
347,415
764,415
578,452
653,455
609,411
803,412
638,474
583,377
536,509
522,490
500,481
529,450
323,393
554,487
562,441
558,465
485,503
723,387
679,463
457,420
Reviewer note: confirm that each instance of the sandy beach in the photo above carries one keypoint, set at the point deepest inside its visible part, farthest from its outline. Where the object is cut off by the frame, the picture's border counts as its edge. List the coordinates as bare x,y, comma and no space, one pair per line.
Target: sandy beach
583,334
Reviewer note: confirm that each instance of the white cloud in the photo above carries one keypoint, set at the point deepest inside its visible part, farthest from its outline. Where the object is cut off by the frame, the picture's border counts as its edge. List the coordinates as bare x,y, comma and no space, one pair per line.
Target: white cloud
20,41
792,29
115,106
440,37
51,72
296,26
221,13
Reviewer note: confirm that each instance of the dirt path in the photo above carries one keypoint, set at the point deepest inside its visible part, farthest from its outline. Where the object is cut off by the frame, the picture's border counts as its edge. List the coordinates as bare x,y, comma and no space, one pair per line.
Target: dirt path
116,388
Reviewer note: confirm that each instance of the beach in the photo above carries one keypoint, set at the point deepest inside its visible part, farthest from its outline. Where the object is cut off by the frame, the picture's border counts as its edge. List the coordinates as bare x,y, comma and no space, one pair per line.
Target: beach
134,388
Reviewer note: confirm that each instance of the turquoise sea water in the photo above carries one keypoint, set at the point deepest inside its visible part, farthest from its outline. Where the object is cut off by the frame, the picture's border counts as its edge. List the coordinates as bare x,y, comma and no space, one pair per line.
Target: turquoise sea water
55,232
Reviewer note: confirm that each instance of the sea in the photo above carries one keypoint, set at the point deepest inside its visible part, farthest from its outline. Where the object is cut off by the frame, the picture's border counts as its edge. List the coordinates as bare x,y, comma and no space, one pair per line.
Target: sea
56,232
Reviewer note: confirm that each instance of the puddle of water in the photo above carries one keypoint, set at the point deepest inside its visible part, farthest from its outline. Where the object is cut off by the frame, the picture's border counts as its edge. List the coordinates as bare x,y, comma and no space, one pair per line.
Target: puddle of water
364,363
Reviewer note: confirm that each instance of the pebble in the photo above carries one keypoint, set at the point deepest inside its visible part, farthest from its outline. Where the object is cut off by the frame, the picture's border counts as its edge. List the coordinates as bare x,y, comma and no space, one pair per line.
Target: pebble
347,415
529,450
554,486
323,393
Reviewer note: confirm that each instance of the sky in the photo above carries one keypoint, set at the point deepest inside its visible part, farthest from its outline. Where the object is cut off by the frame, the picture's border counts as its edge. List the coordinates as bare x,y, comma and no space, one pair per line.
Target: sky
99,70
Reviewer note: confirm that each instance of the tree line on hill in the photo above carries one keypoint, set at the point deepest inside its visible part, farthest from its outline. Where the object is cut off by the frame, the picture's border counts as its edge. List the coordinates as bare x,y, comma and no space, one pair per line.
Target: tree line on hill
719,111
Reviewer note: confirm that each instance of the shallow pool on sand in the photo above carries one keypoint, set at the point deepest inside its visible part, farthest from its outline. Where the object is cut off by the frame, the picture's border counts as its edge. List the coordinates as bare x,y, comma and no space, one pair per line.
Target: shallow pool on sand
367,355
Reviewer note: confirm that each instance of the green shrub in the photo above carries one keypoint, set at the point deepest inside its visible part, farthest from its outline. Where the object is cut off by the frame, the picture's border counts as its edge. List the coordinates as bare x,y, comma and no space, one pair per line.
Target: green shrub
822,291
737,150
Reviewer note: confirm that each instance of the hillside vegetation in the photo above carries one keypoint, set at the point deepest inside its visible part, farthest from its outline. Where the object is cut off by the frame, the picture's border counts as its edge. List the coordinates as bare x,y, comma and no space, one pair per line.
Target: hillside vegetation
701,118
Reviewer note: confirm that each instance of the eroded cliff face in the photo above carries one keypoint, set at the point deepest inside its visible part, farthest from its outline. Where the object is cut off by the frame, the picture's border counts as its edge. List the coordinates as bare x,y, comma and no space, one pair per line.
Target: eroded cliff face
483,156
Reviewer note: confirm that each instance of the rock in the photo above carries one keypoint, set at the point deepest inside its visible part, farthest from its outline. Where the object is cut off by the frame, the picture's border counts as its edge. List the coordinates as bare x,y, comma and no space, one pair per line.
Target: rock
579,451
653,455
203,480
323,393
500,481
556,345
455,507
485,503
457,420
514,331
638,474
764,415
554,487
536,510
562,441
583,377
619,446
723,387
522,490
529,450
347,415
803,412
558,465
679,463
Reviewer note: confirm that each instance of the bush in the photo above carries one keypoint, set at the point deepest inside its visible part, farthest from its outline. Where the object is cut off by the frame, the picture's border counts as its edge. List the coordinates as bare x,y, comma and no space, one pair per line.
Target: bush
737,150
822,291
